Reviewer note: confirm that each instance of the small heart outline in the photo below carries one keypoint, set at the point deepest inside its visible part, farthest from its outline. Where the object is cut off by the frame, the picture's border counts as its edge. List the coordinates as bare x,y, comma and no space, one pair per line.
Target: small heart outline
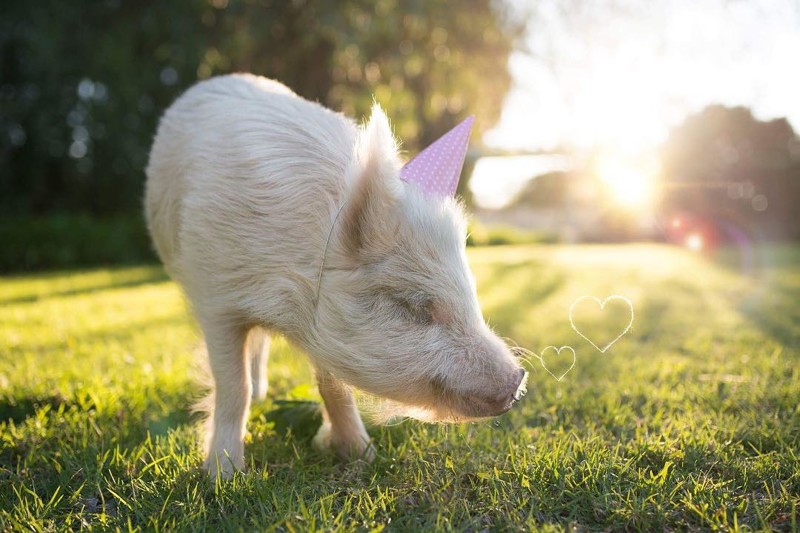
558,352
602,305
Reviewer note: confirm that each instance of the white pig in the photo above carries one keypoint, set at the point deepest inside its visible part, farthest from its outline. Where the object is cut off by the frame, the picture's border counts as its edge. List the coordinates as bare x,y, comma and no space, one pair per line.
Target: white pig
277,215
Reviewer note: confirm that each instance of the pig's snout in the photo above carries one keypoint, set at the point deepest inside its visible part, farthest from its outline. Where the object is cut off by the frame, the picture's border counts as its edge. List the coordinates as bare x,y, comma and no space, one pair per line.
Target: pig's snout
521,389
511,394
486,403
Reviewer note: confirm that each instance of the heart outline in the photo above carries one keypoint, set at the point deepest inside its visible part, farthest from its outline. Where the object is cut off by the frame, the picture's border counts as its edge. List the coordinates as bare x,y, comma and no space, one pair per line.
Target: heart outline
558,352
602,306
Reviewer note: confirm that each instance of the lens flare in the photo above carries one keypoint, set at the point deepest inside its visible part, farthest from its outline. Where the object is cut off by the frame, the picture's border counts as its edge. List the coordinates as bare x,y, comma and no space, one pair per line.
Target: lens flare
694,242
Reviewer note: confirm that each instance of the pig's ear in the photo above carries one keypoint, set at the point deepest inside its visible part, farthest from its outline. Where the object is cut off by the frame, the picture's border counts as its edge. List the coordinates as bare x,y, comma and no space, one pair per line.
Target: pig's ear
376,188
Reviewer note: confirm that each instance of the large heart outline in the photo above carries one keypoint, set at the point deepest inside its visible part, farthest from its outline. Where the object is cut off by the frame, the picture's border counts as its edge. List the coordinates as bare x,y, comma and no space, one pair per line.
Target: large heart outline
602,305
558,352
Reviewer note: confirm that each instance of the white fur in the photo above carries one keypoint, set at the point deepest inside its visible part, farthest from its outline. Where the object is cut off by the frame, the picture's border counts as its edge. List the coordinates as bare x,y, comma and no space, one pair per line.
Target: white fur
244,182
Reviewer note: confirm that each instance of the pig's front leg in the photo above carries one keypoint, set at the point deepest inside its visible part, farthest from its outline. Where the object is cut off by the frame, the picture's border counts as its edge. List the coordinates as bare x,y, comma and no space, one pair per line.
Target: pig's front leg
229,366
258,352
342,429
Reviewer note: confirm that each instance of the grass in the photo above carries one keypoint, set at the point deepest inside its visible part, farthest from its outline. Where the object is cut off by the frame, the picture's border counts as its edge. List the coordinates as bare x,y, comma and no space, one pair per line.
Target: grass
689,422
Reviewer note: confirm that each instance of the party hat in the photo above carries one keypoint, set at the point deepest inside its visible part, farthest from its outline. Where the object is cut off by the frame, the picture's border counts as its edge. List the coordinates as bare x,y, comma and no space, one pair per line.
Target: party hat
437,168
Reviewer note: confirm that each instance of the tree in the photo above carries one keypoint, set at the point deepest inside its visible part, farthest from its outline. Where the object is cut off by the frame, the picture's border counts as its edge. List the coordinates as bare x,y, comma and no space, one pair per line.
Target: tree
550,190
724,165
83,83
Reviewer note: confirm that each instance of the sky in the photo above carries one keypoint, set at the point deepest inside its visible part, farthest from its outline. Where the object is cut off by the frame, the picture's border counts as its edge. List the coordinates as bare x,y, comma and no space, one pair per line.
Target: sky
616,75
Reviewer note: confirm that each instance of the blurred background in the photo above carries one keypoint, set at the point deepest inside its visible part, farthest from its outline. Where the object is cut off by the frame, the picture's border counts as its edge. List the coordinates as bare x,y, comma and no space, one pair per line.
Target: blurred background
604,121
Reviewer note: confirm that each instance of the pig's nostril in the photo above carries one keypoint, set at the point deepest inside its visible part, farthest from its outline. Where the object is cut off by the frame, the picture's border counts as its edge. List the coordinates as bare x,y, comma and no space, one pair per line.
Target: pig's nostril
521,386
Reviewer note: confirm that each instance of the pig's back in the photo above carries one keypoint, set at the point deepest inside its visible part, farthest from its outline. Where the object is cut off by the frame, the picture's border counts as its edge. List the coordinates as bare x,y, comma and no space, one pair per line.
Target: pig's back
243,177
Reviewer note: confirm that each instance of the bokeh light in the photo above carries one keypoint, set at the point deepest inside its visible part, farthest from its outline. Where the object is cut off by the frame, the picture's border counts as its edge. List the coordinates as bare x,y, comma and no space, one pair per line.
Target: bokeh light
694,242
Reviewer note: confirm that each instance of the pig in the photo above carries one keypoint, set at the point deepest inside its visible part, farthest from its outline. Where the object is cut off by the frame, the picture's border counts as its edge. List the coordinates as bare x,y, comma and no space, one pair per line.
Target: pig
278,216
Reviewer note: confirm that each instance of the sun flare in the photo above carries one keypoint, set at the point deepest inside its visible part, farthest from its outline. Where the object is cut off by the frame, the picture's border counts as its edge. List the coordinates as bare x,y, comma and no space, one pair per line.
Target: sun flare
631,180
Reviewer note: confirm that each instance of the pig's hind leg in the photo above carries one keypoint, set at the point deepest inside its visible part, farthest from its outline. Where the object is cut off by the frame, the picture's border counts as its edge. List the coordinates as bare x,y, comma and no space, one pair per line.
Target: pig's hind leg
342,429
258,353
230,369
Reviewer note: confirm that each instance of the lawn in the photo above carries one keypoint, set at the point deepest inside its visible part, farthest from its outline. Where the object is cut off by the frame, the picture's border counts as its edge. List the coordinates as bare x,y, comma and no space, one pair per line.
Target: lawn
690,421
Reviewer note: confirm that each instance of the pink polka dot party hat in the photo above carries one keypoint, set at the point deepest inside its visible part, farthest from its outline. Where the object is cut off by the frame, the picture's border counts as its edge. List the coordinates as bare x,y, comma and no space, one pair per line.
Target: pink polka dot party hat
437,168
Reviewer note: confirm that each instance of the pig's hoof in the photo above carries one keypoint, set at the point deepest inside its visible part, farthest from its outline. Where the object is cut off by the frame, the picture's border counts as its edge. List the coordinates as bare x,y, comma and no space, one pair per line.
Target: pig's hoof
352,447
222,466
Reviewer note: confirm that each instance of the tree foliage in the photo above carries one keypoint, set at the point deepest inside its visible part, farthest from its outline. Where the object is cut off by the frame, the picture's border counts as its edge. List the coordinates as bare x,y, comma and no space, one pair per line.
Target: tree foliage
549,190
726,166
83,83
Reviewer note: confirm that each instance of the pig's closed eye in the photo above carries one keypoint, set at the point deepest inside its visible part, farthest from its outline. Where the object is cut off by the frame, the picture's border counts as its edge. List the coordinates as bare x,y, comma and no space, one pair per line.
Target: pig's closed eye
417,311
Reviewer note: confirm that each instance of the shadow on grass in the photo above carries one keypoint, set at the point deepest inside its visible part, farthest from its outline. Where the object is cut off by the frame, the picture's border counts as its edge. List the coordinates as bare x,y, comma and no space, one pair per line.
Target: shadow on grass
773,273
775,309
125,413
151,275
296,422
13,409
300,418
